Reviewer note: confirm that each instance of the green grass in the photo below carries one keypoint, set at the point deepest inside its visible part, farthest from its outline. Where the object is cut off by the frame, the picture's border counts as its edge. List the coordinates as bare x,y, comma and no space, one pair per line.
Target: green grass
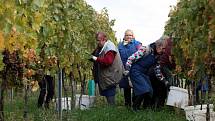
123,114
14,112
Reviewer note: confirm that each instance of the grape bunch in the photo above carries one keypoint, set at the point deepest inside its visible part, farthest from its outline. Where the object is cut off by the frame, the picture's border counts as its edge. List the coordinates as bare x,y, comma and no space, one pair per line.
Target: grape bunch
13,70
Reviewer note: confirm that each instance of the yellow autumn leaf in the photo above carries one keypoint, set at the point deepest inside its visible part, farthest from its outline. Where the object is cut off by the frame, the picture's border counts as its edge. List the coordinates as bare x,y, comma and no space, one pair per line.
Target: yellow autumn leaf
38,17
11,41
34,86
2,46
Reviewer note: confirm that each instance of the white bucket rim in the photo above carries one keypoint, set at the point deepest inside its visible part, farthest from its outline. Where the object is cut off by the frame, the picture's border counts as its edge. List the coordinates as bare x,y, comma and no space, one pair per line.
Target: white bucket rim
203,113
178,89
84,96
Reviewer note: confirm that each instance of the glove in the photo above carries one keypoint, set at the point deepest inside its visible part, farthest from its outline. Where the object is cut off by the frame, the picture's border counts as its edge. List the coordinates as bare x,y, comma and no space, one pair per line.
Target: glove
126,72
91,58
168,86
94,57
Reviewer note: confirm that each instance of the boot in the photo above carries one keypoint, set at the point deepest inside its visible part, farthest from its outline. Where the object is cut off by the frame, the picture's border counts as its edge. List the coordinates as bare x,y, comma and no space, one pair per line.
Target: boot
127,97
137,102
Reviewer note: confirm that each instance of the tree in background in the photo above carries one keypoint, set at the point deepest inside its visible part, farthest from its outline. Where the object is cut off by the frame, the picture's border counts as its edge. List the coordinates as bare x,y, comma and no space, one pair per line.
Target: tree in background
48,35
192,26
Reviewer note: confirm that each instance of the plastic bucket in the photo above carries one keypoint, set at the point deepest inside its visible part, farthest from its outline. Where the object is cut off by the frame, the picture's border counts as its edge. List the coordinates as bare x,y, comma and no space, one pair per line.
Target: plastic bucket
200,115
91,88
192,112
65,103
86,101
177,97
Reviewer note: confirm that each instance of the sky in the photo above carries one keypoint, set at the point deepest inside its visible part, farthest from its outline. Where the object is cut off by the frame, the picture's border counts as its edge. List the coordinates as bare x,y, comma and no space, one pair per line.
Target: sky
146,18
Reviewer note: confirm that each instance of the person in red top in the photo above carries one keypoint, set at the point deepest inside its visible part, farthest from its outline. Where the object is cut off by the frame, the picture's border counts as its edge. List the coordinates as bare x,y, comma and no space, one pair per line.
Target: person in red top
167,61
108,67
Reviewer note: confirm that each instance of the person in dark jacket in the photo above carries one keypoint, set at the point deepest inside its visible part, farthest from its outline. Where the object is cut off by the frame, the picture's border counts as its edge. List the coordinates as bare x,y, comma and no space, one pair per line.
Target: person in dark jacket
139,64
167,61
161,73
159,83
126,48
46,91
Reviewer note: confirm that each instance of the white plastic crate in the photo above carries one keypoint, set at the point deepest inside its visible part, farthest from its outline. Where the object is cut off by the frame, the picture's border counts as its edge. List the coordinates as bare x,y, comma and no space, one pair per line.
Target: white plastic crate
200,115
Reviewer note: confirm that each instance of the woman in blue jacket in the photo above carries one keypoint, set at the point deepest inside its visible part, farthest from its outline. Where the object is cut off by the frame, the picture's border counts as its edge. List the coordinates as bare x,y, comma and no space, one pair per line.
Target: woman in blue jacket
139,64
126,48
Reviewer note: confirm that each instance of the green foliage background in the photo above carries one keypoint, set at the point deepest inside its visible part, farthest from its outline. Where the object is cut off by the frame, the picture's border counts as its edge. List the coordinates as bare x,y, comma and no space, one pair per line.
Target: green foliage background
192,26
66,27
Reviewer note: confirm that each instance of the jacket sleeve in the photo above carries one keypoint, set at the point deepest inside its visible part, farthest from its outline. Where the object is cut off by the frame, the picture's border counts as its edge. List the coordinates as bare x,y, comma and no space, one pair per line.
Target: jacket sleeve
137,44
108,58
137,55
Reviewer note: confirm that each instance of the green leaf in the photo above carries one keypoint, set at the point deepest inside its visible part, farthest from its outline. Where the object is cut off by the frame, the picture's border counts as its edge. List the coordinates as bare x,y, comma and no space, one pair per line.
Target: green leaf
39,3
1,62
